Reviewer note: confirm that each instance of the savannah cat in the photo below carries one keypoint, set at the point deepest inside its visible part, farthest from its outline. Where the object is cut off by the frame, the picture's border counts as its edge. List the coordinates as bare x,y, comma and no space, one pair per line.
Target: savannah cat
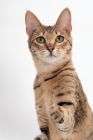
62,108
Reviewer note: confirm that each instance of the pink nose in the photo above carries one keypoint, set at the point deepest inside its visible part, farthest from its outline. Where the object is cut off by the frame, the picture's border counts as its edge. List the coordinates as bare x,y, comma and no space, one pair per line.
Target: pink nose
50,48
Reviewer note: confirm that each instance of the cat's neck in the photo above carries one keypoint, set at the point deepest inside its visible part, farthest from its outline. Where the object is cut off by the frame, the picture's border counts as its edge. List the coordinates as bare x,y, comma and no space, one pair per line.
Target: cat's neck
43,67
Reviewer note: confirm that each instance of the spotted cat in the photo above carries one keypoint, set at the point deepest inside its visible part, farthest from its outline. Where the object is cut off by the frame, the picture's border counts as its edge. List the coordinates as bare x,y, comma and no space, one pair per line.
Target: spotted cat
62,108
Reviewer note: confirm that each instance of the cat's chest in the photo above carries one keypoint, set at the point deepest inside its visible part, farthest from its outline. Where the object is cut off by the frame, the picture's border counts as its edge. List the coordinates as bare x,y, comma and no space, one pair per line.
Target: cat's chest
44,90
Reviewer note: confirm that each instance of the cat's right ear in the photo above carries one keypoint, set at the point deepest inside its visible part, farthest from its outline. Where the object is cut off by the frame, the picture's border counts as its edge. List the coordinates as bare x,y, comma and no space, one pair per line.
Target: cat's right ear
32,23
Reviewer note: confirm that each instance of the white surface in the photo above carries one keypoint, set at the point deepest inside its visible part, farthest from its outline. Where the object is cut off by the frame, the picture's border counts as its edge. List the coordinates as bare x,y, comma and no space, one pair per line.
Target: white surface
18,120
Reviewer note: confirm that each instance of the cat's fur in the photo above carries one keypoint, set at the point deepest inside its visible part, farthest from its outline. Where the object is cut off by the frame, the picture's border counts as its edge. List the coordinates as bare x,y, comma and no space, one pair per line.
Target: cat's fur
62,108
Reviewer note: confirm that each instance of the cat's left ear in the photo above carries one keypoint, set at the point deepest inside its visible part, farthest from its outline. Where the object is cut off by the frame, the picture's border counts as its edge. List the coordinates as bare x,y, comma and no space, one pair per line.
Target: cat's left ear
64,21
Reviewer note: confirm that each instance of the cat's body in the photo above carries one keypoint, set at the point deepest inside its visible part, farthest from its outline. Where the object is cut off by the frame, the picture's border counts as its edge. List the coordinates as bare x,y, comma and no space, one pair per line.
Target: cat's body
61,105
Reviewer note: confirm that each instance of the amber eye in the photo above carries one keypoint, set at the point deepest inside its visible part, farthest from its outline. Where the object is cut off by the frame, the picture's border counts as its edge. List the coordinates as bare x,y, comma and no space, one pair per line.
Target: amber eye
59,39
40,40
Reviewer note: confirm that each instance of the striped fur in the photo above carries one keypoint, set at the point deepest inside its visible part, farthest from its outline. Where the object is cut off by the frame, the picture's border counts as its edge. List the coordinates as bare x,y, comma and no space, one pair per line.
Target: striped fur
62,108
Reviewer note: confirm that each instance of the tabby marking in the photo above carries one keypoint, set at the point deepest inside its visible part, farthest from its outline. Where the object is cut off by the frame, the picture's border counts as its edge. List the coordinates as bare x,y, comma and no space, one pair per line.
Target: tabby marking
62,108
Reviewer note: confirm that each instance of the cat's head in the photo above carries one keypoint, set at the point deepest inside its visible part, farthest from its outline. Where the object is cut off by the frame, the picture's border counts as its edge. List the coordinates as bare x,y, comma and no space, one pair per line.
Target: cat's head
49,45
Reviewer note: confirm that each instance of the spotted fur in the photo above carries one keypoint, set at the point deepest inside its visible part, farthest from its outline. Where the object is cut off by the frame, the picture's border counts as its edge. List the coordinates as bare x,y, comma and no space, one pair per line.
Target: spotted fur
62,108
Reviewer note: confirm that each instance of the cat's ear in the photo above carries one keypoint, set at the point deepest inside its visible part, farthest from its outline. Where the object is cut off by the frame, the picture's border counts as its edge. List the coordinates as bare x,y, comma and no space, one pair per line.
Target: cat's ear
64,20
32,23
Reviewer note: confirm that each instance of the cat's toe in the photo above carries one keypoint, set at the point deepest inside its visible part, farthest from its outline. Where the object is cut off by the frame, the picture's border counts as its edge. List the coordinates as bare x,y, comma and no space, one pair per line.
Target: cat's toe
38,137
60,119
52,109
56,113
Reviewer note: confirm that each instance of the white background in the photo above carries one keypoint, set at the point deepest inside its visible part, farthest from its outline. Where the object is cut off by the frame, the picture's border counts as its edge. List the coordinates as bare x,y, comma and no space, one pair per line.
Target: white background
18,120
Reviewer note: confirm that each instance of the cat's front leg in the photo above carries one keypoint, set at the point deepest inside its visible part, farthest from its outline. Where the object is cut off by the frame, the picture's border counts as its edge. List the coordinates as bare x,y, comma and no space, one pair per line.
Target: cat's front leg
63,117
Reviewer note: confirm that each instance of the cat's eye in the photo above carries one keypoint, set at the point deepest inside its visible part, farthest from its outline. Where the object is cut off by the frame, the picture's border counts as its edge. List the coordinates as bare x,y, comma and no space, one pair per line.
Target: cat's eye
59,39
40,40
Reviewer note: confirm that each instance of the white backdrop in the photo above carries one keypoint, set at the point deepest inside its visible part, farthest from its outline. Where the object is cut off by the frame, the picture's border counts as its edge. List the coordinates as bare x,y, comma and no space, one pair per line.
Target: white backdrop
18,120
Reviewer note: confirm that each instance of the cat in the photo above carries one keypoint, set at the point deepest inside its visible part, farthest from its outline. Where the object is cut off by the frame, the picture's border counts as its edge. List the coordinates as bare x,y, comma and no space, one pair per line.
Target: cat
62,108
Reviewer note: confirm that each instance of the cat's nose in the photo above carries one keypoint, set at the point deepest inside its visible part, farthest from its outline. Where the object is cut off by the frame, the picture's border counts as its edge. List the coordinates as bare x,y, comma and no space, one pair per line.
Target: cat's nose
50,48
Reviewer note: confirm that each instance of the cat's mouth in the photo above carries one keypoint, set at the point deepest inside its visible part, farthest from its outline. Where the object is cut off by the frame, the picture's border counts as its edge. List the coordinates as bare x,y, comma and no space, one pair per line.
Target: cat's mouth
50,56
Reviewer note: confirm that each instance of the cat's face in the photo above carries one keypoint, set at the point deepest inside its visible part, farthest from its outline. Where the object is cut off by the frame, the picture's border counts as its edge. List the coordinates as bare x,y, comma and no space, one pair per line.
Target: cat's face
49,44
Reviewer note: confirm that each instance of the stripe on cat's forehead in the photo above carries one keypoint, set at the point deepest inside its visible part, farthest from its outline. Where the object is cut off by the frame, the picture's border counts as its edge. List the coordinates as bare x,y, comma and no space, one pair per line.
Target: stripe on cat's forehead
51,29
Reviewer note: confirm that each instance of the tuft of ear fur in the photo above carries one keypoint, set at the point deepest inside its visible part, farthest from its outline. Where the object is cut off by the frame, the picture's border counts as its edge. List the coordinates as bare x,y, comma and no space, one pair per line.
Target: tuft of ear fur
64,20
32,23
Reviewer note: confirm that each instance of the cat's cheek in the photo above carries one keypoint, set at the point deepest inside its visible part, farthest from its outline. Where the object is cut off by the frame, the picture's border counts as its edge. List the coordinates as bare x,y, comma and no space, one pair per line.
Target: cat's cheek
60,56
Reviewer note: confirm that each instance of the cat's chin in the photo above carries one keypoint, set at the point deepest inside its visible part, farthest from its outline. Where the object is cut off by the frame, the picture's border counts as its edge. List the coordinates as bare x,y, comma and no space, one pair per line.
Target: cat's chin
51,59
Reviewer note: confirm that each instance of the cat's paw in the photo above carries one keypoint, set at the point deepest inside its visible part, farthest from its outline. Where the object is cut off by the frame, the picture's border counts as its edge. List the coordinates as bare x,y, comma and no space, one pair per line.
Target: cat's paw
41,137
38,137
56,113
63,117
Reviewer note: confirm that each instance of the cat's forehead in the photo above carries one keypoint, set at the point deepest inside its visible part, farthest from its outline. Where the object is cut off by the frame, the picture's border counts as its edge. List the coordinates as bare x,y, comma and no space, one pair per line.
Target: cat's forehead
50,32
49,29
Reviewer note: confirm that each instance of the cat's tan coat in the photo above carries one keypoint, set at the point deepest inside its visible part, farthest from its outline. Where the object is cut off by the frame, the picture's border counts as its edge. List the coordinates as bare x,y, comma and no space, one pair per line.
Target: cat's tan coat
62,108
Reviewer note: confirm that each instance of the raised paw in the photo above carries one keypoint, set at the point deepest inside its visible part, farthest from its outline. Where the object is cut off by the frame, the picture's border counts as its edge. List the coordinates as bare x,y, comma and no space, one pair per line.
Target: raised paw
41,137
63,117
56,113
38,137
